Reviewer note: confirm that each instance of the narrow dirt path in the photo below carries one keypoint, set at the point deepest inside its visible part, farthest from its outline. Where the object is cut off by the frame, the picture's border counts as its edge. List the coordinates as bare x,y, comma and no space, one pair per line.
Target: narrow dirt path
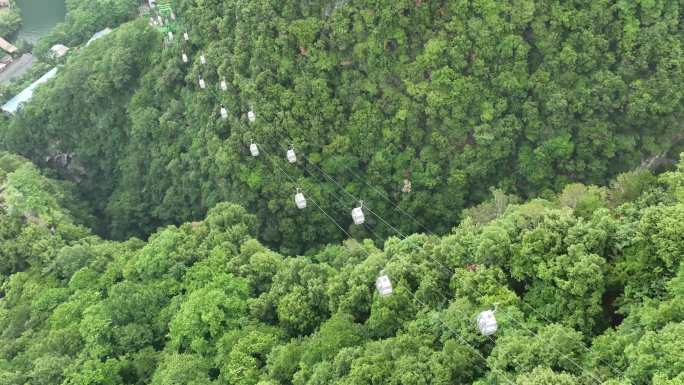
17,68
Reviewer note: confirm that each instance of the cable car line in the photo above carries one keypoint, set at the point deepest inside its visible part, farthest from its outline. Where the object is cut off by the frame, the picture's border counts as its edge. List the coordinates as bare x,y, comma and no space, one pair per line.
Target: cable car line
292,158
486,320
615,370
327,176
454,333
489,315
612,368
489,320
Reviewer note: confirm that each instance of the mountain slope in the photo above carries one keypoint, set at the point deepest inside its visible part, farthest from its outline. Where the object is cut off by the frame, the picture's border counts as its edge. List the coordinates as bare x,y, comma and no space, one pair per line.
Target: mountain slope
451,97
206,303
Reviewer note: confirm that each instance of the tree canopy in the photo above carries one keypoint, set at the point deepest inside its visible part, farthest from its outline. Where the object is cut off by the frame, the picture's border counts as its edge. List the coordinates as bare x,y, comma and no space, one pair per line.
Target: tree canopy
514,157
449,98
582,297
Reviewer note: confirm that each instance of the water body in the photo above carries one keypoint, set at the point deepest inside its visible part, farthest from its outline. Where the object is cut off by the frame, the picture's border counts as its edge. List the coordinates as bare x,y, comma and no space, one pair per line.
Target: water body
39,17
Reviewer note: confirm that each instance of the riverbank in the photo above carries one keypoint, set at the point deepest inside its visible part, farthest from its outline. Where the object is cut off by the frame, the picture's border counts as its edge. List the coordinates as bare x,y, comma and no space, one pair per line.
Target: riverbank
39,18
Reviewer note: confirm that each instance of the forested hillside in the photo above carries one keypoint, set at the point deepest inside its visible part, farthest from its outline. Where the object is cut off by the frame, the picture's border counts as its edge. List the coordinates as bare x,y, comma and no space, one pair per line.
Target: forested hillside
512,156
447,98
588,288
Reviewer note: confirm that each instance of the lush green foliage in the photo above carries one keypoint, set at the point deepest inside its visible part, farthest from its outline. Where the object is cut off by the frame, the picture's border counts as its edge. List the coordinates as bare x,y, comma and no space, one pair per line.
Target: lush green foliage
480,105
10,20
206,303
454,96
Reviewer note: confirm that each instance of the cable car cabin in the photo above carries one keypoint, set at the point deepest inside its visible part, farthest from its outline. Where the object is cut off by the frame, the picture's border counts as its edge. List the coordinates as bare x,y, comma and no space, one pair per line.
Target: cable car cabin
357,215
173,16
384,285
407,186
185,58
300,201
224,113
170,36
224,85
251,116
201,83
254,149
203,60
291,157
185,36
486,322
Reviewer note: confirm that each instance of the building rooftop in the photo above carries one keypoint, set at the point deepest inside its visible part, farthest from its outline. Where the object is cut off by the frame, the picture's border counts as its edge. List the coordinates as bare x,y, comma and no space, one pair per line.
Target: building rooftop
7,46
59,50
24,96
98,35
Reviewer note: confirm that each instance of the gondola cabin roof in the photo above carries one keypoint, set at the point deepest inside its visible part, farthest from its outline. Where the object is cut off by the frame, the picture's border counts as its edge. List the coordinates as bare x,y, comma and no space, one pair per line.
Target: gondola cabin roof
300,200
253,149
291,156
357,215
384,285
486,322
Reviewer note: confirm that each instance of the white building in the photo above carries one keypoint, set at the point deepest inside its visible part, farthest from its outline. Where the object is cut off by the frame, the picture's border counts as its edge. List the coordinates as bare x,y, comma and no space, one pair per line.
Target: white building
59,50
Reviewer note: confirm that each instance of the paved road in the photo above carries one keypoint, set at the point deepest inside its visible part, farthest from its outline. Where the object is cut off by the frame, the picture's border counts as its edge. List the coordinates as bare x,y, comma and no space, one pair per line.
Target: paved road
17,68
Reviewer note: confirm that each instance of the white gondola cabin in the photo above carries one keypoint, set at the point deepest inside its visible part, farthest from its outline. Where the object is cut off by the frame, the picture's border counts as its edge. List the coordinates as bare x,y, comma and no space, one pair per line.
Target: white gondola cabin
357,215
224,85
186,36
300,201
291,156
202,84
224,113
253,149
173,16
384,285
251,116
170,36
486,322
184,57
203,60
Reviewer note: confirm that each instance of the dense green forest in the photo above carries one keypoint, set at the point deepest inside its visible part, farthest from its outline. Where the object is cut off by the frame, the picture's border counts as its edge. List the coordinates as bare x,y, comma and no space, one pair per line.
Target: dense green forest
207,303
454,97
516,156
